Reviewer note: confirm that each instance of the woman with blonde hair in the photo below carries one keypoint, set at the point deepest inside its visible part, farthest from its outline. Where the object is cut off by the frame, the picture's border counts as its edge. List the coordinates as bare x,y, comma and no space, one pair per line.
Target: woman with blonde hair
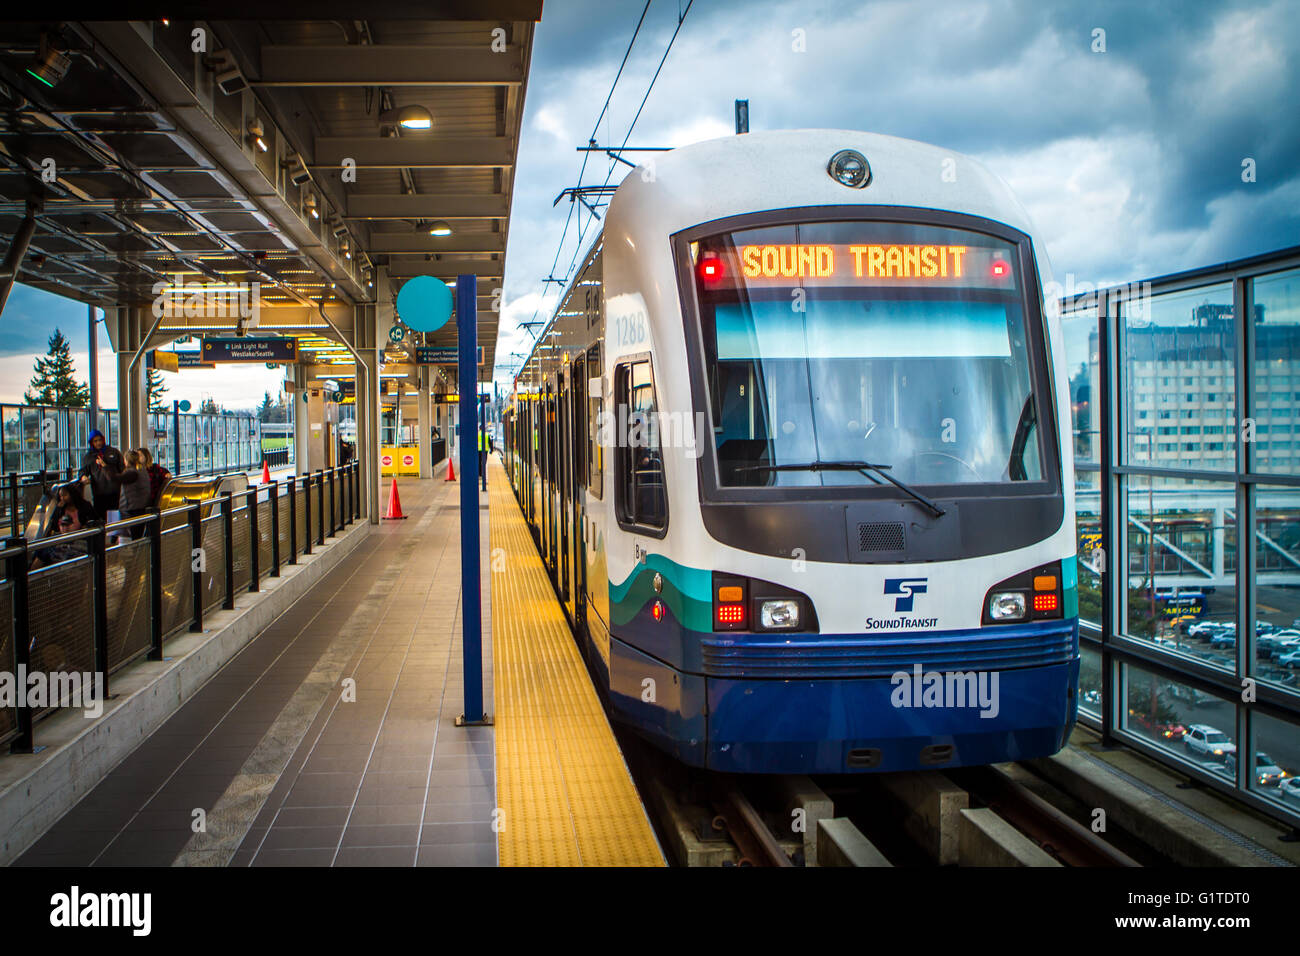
158,475
135,491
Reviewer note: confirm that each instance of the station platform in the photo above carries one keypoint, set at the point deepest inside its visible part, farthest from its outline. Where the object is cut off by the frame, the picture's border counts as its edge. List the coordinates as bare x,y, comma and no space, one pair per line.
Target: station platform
330,738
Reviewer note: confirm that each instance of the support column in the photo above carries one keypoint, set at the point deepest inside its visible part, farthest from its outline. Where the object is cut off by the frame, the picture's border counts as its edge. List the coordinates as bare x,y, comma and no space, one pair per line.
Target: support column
424,423
301,418
366,319
132,399
314,421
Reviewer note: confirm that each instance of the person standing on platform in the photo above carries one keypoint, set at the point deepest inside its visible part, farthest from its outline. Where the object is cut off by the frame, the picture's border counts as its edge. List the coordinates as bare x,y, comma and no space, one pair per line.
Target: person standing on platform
482,457
135,492
103,465
158,475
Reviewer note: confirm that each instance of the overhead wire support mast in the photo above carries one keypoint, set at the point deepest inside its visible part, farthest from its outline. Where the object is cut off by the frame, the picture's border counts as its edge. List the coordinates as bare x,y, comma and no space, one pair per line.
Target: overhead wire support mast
613,152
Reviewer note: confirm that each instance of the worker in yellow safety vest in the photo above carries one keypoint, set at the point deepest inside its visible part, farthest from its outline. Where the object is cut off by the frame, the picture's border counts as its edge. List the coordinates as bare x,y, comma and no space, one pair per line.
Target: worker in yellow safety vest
482,456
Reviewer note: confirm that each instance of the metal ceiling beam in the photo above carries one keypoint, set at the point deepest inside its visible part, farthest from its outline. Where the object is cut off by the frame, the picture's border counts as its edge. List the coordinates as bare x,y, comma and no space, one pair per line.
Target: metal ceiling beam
386,243
414,152
426,206
390,65
447,267
333,9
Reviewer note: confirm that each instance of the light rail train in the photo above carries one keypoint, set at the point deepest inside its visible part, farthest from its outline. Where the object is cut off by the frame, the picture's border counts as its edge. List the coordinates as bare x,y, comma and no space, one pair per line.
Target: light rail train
791,451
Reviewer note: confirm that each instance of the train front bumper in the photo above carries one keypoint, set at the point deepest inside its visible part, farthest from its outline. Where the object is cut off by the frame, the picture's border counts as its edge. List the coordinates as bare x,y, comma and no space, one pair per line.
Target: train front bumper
969,703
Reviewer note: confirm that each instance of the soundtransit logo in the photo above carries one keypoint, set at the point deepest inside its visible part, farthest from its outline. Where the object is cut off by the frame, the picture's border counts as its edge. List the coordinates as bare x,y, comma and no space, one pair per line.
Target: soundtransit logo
907,589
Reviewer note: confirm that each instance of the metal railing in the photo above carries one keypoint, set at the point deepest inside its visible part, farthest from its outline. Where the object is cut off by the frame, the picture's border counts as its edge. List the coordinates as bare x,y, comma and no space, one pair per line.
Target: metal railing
128,587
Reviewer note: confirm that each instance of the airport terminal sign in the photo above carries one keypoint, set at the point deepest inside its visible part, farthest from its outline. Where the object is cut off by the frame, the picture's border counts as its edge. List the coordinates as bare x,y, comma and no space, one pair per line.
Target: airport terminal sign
441,355
250,349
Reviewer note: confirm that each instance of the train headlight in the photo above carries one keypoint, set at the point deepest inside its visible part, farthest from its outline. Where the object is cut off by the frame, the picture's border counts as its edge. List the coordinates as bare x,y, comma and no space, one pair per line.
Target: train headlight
849,168
779,615
1033,595
1007,606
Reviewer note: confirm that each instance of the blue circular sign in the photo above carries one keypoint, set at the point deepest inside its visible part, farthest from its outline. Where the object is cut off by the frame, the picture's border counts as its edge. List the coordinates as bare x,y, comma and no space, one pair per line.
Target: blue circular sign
424,303
184,405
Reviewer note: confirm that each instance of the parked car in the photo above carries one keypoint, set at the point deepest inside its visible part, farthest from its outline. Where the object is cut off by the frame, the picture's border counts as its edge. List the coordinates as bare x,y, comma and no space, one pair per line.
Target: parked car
1267,772
1205,630
1206,741
1289,659
1171,730
1274,646
1289,790
1225,639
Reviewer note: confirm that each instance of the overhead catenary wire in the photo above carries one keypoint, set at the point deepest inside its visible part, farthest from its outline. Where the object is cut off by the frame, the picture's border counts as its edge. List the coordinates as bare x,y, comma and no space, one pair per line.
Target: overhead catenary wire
582,229
559,249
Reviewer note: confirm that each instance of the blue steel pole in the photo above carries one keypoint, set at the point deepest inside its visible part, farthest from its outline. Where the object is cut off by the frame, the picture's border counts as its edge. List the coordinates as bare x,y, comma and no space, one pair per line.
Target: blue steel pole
470,581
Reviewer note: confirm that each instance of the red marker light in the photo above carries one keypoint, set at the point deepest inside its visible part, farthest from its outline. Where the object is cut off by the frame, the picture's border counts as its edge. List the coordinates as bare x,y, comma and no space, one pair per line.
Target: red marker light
657,610
999,269
711,269
1045,602
731,613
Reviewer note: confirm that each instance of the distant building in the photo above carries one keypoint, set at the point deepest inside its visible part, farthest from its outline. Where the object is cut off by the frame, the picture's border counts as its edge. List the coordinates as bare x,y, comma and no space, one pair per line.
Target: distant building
1180,388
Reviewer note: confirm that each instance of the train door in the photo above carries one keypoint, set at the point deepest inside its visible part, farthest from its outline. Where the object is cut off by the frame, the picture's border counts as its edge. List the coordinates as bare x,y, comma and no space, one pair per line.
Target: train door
543,401
563,485
578,376
552,484
529,439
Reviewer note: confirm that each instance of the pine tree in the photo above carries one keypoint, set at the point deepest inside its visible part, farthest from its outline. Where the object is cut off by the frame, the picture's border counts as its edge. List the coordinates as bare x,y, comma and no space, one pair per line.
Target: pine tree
154,383
209,407
53,383
265,410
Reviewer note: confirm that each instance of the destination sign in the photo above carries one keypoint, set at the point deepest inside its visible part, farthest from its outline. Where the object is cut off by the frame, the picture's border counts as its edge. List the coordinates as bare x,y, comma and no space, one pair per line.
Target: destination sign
441,355
192,359
250,349
859,263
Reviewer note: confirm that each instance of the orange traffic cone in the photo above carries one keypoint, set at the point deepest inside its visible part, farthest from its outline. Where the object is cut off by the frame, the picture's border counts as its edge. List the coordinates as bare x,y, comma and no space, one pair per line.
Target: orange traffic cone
266,472
451,472
394,505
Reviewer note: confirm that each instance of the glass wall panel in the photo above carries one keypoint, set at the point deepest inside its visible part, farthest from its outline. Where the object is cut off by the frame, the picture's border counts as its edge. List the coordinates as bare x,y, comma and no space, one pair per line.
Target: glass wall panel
1182,592
1079,328
1178,718
1276,771
1088,540
11,427
1277,584
1276,371
1178,390
1090,681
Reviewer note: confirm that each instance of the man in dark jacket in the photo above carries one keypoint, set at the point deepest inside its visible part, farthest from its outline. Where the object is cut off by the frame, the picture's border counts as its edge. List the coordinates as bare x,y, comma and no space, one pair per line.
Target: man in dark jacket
102,464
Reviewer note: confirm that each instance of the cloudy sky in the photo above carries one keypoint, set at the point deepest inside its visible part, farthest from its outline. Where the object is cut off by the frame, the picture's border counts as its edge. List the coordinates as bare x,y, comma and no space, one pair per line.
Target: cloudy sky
1129,160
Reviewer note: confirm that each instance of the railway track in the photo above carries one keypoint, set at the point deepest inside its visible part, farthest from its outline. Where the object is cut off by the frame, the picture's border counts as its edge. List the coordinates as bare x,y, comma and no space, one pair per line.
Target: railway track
977,816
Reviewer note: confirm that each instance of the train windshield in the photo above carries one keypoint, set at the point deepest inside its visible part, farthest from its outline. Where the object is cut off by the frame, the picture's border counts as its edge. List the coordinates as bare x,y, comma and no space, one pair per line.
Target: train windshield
896,344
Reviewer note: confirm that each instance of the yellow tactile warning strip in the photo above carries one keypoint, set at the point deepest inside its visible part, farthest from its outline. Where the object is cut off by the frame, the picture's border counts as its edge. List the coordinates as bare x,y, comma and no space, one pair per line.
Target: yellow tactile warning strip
562,783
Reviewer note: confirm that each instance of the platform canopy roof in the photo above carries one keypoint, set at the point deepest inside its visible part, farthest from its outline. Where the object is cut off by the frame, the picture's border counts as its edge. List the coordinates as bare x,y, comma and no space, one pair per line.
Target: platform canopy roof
282,151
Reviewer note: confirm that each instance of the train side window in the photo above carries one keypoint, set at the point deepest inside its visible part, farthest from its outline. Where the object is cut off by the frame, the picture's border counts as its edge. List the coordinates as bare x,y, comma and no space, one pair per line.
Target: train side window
641,500
580,429
595,447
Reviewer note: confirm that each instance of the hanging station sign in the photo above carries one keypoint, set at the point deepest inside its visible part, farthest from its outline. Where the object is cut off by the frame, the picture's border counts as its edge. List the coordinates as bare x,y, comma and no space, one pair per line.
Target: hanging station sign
441,355
250,349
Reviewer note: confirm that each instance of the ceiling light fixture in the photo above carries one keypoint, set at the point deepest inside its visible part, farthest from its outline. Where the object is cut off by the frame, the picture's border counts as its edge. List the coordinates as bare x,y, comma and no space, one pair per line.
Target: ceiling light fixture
414,117
257,135
51,64
440,228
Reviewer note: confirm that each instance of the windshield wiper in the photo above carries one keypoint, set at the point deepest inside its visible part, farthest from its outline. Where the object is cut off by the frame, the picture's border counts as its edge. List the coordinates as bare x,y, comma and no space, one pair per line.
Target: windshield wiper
862,467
